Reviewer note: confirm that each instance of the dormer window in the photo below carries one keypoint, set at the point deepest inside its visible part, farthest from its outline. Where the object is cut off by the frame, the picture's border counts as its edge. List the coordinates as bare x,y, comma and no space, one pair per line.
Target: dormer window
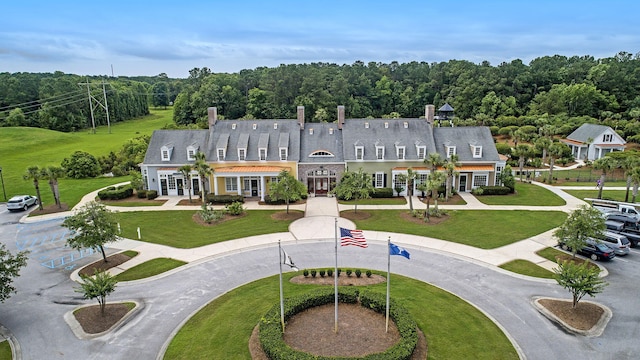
283,154
330,131
242,154
262,154
476,151
359,152
221,154
379,152
607,138
310,131
255,126
233,126
191,152
366,125
165,152
406,125
275,126
386,125
451,150
400,151
422,151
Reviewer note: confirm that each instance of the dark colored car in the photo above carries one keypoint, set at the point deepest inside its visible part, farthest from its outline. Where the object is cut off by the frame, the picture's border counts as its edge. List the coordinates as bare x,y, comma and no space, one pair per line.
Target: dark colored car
594,250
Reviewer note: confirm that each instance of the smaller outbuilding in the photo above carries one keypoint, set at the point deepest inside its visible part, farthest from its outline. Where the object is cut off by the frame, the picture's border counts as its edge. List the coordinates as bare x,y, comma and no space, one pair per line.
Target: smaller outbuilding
592,142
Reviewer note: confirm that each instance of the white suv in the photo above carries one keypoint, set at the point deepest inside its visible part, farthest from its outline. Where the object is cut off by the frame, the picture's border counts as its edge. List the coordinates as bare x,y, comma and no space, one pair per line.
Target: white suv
21,202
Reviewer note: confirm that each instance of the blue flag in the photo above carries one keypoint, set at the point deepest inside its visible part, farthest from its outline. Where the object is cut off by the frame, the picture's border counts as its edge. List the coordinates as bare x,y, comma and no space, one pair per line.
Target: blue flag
397,250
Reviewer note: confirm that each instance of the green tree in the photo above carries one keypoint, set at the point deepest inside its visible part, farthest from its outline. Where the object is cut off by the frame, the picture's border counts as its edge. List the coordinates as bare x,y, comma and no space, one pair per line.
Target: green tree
10,269
34,173
185,170
434,181
635,179
160,94
433,161
81,165
629,163
450,171
507,179
98,287
354,185
204,171
522,151
583,223
555,151
53,173
605,165
286,188
16,118
92,226
580,279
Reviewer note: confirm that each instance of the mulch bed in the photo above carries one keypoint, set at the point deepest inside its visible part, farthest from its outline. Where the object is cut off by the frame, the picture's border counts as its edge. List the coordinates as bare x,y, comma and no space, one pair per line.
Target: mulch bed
584,317
112,261
49,209
93,321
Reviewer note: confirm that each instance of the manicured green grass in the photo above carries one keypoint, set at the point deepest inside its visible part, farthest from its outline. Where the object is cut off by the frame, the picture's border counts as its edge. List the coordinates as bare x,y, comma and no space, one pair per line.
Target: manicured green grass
617,195
397,200
131,253
22,147
526,194
142,202
149,268
5,350
454,329
486,229
176,228
528,268
550,253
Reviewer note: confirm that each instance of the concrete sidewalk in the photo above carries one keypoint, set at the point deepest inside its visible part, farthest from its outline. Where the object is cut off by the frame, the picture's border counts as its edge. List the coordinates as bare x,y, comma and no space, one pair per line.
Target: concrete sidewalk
321,221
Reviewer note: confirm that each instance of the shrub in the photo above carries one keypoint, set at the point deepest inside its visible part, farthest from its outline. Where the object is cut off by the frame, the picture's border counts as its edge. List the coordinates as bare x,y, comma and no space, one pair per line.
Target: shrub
313,273
142,194
382,193
349,272
305,272
495,190
329,272
322,272
152,194
209,215
81,165
358,272
224,199
111,193
339,271
269,201
235,208
369,273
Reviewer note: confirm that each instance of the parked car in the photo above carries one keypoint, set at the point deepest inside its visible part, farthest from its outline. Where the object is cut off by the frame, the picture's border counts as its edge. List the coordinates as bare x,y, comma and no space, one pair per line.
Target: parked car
629,222
21,202
594,250
618,228
619,243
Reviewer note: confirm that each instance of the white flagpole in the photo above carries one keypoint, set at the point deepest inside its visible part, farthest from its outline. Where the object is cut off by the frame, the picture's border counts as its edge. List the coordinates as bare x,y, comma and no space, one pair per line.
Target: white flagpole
335,276
281,296
388,280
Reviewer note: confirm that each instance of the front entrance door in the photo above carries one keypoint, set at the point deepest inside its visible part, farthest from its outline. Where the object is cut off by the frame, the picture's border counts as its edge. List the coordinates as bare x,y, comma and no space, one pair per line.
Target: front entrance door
322,186
180,186
254,187
163,187
195,185
462,187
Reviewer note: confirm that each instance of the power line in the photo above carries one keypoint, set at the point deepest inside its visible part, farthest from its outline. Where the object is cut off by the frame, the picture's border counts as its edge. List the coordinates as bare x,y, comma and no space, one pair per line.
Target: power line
39,101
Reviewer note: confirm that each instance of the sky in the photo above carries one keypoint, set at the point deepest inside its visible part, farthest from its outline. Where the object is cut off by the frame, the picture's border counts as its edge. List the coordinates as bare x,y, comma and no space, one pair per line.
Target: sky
133,38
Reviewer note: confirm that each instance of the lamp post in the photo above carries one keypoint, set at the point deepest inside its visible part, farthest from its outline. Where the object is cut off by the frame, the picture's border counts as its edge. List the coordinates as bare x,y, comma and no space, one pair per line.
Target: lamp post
2,180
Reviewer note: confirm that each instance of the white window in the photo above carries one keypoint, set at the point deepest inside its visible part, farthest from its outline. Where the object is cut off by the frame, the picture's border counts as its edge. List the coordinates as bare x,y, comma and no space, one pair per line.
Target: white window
397,182
191,154
607,138
359,152
321,153
451,150
283,154
242,154
165,152
386,125
406,125
379,180
477,151
165,155
230,184
480,180
262,154
221,153
274,179
310,131
275,126
255,126
366,125
380,152
233,126
400,152
171,182
330,131
421,178
422,152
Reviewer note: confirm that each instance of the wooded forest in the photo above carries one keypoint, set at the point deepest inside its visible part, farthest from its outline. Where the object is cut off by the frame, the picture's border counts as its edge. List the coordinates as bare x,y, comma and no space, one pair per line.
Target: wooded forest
557,91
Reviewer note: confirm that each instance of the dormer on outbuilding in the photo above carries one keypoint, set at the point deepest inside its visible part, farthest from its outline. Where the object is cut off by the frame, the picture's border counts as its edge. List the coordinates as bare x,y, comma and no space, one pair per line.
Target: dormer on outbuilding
166,151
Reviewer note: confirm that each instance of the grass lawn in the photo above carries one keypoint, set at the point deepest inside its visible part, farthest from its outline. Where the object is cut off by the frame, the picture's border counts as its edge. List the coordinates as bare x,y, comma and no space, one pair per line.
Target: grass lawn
526,194
46,147
149,268
550,253
617,195
5,350
397,200
176,228
486,229
141,202
222,328
528,268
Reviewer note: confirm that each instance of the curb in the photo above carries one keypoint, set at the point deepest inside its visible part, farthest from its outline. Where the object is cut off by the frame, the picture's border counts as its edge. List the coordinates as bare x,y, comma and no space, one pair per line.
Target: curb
595,331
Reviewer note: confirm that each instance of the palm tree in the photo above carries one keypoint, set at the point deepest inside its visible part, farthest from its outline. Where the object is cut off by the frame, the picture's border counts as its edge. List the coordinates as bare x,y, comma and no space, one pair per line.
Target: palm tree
204,171
543,144
434,161
34,173
53,173
411,177
635,179
185,170
628,164
431,186
522,151
450,170
555,151
604,164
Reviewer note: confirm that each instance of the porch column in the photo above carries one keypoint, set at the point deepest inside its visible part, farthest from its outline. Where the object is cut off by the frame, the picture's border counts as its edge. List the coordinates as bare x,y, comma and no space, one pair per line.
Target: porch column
215,184
238,185
262,187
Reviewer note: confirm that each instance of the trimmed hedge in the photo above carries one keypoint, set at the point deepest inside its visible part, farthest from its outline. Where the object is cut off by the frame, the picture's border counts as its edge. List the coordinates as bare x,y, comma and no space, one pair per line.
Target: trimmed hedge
152,194
113,193
495,190
382,193
275,348
224,199
142,194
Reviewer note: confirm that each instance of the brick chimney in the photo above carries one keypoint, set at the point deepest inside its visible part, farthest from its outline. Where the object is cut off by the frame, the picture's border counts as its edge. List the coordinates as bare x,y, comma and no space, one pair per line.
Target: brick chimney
301,117
213,116
340,116
429,113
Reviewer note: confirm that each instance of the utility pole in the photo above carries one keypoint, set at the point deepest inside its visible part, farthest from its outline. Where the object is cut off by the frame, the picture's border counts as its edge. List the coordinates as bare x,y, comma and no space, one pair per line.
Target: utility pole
91,106
106,106
93,121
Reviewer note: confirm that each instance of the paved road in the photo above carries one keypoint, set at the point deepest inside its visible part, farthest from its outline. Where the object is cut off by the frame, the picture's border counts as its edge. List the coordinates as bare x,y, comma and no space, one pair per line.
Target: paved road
35,315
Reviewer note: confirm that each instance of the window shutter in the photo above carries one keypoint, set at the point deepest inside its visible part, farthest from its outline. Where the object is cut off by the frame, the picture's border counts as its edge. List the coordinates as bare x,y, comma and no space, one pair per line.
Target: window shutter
384,181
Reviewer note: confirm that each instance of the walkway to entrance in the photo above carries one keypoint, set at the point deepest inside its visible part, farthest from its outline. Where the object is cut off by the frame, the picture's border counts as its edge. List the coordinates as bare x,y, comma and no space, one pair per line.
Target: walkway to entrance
319,221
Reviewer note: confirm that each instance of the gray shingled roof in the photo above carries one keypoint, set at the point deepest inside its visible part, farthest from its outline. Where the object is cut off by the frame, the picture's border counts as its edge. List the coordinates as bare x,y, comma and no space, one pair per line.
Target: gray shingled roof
245,136
318,137
587,132
462,138
180,140
416,131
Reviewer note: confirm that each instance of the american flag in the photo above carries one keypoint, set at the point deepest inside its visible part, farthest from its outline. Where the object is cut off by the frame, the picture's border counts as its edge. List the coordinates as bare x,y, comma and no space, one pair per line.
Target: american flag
352,237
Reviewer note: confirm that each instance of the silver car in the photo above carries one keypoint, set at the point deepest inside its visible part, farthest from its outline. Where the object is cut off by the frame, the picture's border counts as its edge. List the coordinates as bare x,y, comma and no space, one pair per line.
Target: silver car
619,243
21,202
